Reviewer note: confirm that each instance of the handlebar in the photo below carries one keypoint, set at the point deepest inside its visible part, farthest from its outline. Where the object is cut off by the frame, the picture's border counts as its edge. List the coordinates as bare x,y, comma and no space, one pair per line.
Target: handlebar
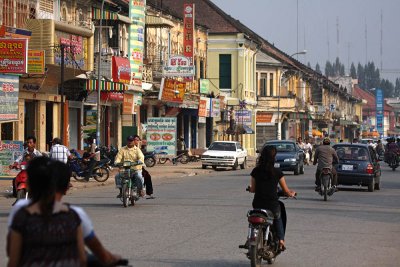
280,193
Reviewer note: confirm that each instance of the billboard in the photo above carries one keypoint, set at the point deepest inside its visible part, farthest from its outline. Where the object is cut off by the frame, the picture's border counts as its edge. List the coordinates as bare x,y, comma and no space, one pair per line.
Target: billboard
13,55
379,111
9,88
161,135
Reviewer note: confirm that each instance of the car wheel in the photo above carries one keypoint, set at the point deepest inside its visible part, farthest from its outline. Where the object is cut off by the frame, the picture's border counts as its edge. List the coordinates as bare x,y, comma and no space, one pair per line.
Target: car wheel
236,165
297,170
204,166
302,169
244,164
371,186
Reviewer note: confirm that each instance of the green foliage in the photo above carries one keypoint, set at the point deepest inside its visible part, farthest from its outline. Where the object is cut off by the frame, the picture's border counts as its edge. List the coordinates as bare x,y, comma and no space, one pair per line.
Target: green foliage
318,69
353,71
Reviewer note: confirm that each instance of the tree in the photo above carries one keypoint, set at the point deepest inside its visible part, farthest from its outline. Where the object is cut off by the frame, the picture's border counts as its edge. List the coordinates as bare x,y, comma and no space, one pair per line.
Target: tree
353,71
397,88
328,69
318,69
309,65
361,76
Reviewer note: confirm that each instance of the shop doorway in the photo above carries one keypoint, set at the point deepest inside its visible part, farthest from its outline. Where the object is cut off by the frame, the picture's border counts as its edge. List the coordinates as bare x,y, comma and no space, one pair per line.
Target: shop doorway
30,119
7,131
49,125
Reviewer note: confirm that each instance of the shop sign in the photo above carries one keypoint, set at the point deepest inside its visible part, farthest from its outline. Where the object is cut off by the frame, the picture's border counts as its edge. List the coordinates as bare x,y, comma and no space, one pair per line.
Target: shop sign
117,97
9,87
121,70
127,104
136,40
264,118
36,62
137,99
75,55
172,91
203,106
13,55
178,66
215,108
204,86
11,32
243,116
10,151
161,135
188,31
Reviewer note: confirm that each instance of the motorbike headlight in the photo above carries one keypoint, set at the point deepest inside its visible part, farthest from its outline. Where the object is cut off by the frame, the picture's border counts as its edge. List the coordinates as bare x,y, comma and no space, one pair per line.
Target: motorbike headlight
290,160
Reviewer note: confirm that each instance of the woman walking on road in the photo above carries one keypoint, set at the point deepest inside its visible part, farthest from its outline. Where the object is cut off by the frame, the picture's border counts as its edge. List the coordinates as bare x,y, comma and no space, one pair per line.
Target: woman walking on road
45,233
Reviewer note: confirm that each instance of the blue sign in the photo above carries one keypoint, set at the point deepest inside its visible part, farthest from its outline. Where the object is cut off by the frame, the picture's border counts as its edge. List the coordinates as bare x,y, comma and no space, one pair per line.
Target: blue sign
379,111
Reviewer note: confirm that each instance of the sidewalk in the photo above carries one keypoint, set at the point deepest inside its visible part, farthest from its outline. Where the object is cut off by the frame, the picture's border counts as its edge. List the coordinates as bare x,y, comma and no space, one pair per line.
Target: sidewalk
159,172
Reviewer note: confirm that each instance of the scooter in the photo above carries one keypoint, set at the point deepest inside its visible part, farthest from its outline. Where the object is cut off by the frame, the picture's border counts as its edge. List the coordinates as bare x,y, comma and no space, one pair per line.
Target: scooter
326,178
78,167
20,182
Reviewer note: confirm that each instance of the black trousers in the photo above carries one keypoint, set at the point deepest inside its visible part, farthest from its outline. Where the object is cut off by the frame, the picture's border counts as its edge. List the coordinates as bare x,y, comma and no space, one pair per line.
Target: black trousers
147,181
334,177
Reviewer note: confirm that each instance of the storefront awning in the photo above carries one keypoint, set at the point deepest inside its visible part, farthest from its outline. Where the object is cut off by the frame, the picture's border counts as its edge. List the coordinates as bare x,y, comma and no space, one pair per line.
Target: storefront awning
92,85
155,21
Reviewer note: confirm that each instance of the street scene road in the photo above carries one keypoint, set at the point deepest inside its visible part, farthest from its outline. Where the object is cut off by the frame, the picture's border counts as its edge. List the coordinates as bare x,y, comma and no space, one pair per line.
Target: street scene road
200,221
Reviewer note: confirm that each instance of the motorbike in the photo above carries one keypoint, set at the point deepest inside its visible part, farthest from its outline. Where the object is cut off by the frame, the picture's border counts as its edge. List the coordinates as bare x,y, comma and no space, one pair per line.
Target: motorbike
393,161
150,159
326,178
78,167
262,242
20,183
130,192
108,153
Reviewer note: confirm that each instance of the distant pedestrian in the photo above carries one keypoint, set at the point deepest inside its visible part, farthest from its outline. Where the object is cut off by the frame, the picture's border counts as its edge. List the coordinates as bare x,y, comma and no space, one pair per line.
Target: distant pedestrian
355,140
58,151
45,233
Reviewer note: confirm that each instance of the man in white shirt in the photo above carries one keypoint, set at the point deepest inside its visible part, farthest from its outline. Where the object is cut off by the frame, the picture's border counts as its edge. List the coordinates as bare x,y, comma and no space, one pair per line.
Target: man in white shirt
58,151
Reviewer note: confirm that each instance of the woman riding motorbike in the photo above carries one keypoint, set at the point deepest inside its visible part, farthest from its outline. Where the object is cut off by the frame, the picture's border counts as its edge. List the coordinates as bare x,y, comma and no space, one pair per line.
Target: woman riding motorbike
264,183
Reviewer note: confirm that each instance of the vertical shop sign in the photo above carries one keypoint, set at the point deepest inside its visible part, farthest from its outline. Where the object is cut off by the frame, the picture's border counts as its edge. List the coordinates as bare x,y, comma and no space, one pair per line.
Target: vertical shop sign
161,135
136,40
9,88
10,151
379,111
203,106
35,61
204,86
188,31
127,104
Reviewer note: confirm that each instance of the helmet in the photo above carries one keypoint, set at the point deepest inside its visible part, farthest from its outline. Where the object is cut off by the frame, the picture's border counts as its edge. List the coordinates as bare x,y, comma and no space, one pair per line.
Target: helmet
326,141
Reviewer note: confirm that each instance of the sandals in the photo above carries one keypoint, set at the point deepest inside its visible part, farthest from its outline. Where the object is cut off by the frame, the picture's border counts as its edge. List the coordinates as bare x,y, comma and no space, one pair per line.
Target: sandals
281,246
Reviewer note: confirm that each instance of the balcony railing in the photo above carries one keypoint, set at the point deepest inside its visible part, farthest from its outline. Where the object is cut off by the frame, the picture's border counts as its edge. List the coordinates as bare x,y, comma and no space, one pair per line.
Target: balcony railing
271,102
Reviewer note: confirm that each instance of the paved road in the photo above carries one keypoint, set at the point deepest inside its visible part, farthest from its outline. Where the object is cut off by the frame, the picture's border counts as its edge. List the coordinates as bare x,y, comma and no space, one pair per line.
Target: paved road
200,221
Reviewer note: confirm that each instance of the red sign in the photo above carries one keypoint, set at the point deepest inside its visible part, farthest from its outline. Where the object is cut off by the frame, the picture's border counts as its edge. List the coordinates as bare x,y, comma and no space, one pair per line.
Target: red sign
127,104
172,91
121,70
188,31
111,96
13,55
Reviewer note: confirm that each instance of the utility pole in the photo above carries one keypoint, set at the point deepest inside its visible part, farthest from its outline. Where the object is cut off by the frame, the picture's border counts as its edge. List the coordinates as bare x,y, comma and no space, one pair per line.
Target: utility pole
62,49
98,141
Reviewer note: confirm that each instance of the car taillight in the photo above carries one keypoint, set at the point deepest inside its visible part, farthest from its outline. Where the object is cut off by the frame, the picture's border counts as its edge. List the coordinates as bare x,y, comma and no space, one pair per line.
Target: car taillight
256,220
370,169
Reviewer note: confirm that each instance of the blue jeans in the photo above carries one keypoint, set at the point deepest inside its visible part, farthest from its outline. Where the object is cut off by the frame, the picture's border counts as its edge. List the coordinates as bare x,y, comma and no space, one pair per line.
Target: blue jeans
137,178
280,232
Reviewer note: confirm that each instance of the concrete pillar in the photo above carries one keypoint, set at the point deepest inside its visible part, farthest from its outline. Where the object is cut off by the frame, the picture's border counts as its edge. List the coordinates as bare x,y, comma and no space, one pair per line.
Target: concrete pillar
41,126
119,127
20,125
56,120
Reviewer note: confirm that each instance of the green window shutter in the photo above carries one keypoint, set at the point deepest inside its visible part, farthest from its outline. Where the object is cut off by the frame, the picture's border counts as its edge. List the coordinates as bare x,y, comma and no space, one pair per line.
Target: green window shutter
225,72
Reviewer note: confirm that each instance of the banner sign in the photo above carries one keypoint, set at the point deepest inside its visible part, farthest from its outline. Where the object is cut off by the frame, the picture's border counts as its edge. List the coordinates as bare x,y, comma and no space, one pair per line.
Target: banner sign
13,55
10,151
9,87
118,97
161,135
127,104
188,31
172,91
136,40
121,70
204,86
379,111
36,62
178,66
243,116
209,107
264,118
203,103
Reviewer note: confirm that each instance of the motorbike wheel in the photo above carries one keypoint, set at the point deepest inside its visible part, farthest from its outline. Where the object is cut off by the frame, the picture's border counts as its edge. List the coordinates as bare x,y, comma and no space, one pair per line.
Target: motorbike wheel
162,160
78,178
184,159
255,257
21,194
125,194
101,174
150,162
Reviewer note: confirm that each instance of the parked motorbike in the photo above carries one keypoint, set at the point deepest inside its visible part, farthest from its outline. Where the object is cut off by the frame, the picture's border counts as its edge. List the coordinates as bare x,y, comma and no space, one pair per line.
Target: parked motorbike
150,159
262,242
326,189
108,153
20,182
130,191
78,167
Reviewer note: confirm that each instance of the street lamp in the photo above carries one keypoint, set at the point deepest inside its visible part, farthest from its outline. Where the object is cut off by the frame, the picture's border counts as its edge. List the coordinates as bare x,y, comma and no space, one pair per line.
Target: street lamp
99,77
279,130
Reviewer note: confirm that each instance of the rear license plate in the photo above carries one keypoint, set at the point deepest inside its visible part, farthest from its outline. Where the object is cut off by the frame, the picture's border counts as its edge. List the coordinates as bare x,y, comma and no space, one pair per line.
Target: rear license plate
347,167
277,165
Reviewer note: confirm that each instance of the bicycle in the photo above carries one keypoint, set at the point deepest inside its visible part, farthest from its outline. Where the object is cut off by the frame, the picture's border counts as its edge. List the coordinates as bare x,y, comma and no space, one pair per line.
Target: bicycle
182,157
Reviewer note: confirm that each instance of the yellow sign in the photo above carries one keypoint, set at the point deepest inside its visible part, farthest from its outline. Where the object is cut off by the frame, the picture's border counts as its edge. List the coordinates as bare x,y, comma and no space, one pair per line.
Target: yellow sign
35,61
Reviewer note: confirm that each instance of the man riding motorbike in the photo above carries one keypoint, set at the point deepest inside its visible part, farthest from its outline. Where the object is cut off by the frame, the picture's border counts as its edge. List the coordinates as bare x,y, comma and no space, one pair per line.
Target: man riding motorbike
131,152
392,150
326,156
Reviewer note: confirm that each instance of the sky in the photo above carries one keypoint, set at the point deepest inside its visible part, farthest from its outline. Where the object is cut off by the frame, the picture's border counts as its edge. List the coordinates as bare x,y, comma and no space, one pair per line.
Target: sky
348,29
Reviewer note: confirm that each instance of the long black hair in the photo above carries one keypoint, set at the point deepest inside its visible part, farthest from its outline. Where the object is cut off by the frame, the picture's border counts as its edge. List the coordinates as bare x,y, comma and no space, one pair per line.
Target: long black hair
42,184
266,160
